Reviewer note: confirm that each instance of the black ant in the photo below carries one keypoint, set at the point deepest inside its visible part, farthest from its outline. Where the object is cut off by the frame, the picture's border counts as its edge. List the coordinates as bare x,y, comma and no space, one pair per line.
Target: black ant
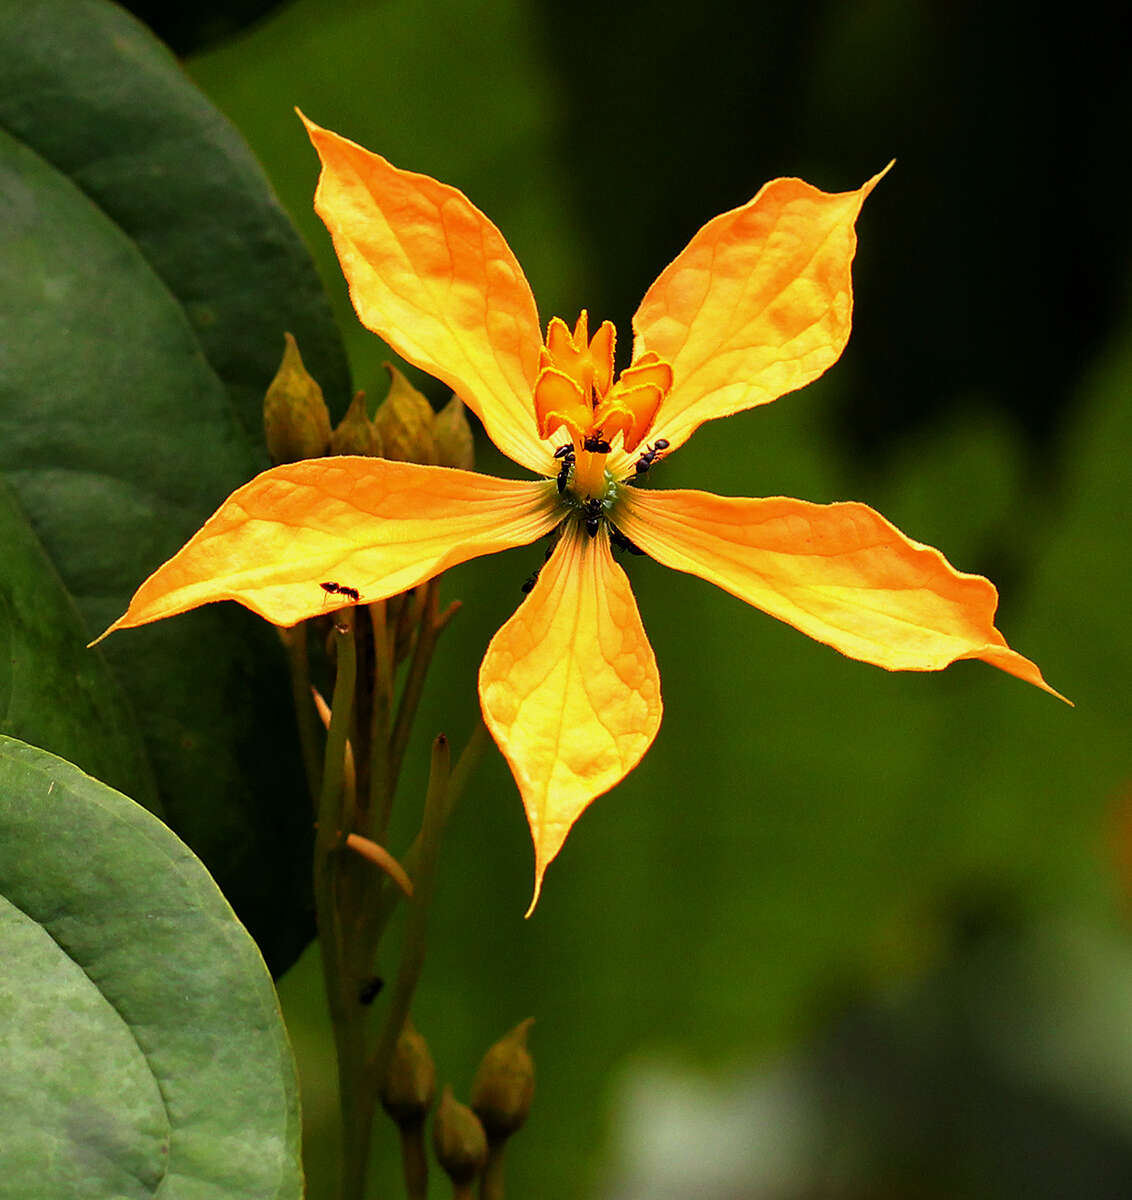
650,456
592,512
596,444
566,454
369,990
340,589
622,542
532,578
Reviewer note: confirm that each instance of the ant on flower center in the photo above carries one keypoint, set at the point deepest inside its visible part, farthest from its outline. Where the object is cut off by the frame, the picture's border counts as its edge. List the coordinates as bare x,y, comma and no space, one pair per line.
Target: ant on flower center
566,455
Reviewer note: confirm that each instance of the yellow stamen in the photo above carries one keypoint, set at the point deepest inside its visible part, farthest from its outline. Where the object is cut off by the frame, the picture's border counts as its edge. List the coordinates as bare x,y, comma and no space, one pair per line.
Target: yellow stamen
576,392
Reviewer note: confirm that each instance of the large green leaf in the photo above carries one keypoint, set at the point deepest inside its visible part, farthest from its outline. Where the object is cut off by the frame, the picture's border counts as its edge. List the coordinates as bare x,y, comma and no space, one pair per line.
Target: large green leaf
93,93
53,690
141,1038
147,277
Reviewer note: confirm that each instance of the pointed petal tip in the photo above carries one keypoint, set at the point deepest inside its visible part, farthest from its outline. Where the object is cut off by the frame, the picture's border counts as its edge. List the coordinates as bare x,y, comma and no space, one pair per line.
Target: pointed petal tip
1020,667
535,896
869,184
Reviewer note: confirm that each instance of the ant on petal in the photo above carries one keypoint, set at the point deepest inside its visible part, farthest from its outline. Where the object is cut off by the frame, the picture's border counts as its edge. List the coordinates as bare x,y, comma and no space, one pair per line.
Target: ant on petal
622,542
650,456
340,589
596,444
532,578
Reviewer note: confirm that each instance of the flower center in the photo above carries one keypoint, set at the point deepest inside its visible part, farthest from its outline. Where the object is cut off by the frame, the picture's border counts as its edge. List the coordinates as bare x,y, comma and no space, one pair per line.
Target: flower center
575,390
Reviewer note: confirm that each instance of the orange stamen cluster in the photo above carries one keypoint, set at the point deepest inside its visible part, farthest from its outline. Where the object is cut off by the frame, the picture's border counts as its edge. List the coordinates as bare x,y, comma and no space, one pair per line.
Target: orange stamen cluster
575,390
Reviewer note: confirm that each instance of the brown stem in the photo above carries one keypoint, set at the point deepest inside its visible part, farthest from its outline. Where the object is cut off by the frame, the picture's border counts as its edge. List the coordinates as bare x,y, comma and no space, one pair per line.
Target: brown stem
416,926
491,1181
310,730
414,1161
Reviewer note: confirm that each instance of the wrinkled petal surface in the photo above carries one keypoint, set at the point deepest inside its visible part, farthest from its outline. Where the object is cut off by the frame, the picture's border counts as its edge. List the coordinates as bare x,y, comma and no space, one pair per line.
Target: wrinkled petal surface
432,276
375,526
840,573
570,690
759,303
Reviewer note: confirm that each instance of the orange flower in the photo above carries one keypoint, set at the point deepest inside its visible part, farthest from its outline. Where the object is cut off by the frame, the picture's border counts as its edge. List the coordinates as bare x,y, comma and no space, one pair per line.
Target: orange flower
758,304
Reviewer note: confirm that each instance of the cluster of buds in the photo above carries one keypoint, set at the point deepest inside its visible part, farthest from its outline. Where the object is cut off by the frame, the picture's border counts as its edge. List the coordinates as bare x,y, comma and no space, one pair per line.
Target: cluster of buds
405,428
467,1140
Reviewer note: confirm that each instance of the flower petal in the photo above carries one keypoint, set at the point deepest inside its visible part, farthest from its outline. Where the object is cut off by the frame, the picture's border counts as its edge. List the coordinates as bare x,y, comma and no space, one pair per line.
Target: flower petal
559,401
758,303
840,573
570,690
367,524
432,276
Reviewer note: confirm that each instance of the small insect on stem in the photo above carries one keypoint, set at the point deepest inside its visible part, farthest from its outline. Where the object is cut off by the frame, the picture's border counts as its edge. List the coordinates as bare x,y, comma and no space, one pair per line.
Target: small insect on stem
596,444
369,990
650,456
566,454
340,589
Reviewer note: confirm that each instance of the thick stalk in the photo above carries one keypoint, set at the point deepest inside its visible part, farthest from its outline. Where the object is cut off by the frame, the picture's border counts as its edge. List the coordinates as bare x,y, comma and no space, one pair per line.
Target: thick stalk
414,1161
310,730
491,1181
380,797
416,926
429,629
458,780
356,1107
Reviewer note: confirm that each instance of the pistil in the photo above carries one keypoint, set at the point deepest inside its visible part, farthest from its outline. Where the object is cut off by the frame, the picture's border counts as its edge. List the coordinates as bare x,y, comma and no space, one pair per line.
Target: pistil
589,473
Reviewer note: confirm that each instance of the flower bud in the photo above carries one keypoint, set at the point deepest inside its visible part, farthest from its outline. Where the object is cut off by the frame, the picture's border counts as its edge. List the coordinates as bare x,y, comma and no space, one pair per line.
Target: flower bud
296,424
452,436
458,1139
505,1084
409,1087
355,433
404,422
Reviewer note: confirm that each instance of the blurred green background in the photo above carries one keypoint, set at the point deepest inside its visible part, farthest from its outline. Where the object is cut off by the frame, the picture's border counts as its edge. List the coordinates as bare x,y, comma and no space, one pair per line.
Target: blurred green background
843,933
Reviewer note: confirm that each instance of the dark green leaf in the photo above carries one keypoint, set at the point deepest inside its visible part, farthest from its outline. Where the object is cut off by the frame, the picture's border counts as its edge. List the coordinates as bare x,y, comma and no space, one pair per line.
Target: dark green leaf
188,27
143,1047
53,690
147,277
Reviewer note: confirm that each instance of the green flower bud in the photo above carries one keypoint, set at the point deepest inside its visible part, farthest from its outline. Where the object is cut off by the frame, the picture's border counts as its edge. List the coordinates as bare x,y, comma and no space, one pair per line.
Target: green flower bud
356,433
404,422
452,435
505,1084
458,1139
296,423
409,1087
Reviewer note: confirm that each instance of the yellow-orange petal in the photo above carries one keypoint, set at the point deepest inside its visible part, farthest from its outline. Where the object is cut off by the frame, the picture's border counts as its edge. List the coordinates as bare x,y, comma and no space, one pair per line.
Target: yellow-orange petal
570,690
628,411
430,274
840,573
758,303
561,344
632,403
365,524
602,349
559,400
